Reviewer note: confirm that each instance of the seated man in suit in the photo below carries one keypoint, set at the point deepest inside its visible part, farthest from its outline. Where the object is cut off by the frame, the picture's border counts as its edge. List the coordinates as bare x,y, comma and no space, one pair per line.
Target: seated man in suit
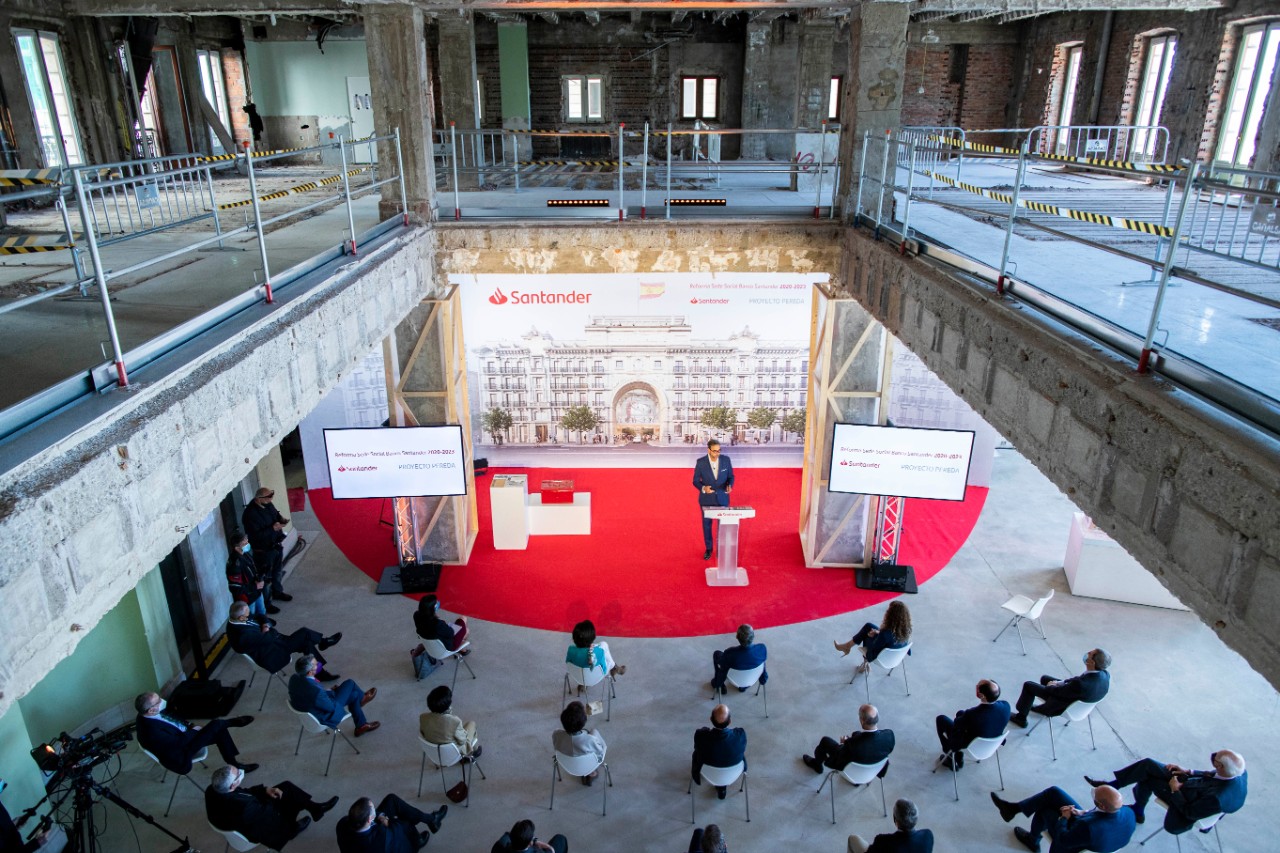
176,742
988,718
1105,828
907,839
868,746
718,746
391,828
1189,794
521,839
748,654
264,815
270,649
439,726
329,706
1055,695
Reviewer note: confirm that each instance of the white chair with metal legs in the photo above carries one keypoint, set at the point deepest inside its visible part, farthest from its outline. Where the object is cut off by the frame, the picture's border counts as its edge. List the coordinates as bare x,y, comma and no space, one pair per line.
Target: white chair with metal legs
576,676
253,665
722,777
744,678
437,651
309,723
1024,609
856,775
1204,825
979,748
580,765
195,759
888,660
444,755
235,840
1075,712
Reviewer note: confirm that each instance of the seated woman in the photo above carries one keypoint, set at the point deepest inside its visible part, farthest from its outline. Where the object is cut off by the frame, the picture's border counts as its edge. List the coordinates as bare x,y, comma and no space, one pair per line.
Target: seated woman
894,633
439,726
588,654
431,627
575,739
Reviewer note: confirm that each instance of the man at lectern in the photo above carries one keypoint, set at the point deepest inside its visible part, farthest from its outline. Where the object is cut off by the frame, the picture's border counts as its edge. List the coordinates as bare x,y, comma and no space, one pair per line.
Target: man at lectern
713,478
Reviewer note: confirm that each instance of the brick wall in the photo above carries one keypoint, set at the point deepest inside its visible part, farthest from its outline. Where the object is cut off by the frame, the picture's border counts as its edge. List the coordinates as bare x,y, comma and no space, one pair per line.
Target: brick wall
979,101
237,97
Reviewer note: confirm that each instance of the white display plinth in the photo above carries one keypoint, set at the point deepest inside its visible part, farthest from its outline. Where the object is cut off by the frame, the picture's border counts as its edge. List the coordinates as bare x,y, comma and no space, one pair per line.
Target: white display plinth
727,571
508,510
560,519
1097,567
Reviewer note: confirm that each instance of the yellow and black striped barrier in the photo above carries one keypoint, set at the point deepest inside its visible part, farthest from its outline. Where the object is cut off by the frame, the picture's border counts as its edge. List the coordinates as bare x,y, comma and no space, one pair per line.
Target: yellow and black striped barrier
29,177
972,146
294,190
1112,164
1065,212
574,163
216,158
31,243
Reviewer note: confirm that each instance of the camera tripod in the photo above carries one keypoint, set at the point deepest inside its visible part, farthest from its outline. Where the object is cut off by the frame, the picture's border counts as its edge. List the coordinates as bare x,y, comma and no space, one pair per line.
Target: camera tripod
82,836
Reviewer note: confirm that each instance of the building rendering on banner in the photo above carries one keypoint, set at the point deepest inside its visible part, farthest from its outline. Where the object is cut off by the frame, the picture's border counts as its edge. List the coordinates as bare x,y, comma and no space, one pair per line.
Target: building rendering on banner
645,379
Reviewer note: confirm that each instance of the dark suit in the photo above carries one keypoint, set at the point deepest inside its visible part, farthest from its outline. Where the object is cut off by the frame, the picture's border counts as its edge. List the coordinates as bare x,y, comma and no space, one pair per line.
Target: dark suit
265,543
1096,831
983,720
718,748
558,843
903,841
256,816
1201,795
270,649
327,706
859,748
1085,687
738,657
242,578
176,748
401,836
720,481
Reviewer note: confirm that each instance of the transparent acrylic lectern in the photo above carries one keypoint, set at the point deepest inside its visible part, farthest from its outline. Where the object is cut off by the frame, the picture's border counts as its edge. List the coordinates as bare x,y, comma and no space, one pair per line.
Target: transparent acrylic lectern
727,571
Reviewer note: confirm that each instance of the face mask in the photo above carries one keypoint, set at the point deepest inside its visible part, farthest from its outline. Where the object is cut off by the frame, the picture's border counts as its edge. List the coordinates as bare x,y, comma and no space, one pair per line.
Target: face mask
1086,660
161,705
247,549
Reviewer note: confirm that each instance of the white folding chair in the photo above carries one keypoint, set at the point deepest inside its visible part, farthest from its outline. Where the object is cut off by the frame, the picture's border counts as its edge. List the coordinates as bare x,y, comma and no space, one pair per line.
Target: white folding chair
1204,824
722,777
580,765
436,649
446,755
744,678
309,723
253,665
1075,712
855,775
235,839
978,749
199,758
888,660
576,676
1024,608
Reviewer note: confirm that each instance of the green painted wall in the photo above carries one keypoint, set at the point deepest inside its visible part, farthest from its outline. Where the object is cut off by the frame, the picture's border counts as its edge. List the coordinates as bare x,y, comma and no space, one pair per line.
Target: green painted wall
513,68
111,665
16,767
296,79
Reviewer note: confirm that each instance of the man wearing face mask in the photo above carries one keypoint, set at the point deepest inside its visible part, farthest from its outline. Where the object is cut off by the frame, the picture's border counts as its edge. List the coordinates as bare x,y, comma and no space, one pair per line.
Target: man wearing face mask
1055,695
271,650
265,527
269,816
243,580
176,742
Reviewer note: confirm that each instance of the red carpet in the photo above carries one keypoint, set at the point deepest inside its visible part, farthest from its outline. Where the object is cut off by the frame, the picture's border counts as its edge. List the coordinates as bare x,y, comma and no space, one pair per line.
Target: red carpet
640,572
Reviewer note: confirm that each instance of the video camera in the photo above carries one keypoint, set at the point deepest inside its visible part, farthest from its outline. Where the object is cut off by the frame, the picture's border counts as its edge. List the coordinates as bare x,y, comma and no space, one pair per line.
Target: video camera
66,755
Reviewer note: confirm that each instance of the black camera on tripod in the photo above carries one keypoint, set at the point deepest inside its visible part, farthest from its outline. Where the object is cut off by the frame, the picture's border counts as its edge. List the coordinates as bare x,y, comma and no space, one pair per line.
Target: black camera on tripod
66,755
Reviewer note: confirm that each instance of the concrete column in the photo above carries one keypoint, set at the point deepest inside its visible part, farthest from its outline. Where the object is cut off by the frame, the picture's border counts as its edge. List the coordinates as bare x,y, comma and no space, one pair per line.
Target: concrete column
95,95
756,112
513,70
401,89
458,91
814,77
877,72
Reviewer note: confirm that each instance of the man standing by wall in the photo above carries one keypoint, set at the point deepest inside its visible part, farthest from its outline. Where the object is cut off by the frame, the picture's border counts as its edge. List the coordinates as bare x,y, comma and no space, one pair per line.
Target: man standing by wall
264,526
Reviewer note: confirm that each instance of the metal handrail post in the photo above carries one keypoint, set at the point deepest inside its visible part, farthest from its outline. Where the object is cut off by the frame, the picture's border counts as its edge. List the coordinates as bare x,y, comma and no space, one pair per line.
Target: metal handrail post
822,153
622,210
213,205
1144,360
644,171
404,200
1013,214
122,376
346,191
667,203
257,223
457,202
862,174
906,208
1164,222
515,156
835,182
884,176
71,238
964,140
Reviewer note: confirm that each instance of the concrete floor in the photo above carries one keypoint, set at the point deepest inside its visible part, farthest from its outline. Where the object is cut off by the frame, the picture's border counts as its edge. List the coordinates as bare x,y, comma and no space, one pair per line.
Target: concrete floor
1177,694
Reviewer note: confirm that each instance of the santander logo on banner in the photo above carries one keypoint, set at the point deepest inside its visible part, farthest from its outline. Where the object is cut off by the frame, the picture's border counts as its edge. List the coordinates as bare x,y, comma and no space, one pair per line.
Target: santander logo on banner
540,297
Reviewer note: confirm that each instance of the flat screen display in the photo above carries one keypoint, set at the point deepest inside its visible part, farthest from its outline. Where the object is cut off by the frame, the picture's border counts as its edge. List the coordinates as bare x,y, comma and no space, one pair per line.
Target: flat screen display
907,462
396,462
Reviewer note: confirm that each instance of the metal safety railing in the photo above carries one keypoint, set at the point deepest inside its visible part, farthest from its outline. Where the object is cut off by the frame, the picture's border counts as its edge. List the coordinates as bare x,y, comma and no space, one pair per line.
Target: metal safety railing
1131,143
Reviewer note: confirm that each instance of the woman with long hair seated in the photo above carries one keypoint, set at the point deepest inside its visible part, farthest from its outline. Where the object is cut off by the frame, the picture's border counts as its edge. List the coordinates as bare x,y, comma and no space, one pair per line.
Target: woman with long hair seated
893,633
588,654
574,738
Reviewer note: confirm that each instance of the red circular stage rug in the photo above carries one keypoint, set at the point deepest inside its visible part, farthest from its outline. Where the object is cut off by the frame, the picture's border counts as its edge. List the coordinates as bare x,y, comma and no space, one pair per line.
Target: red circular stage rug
640,572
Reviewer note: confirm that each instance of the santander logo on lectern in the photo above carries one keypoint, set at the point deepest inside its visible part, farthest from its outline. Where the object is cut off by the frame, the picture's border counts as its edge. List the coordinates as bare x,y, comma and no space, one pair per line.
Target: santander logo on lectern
540,297
498,297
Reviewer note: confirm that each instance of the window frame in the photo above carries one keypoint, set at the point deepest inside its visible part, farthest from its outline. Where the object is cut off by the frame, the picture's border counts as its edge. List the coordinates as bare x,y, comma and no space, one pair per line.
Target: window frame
213,85
1254,95
585,81
40,39
1152,91
835,98
699,101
